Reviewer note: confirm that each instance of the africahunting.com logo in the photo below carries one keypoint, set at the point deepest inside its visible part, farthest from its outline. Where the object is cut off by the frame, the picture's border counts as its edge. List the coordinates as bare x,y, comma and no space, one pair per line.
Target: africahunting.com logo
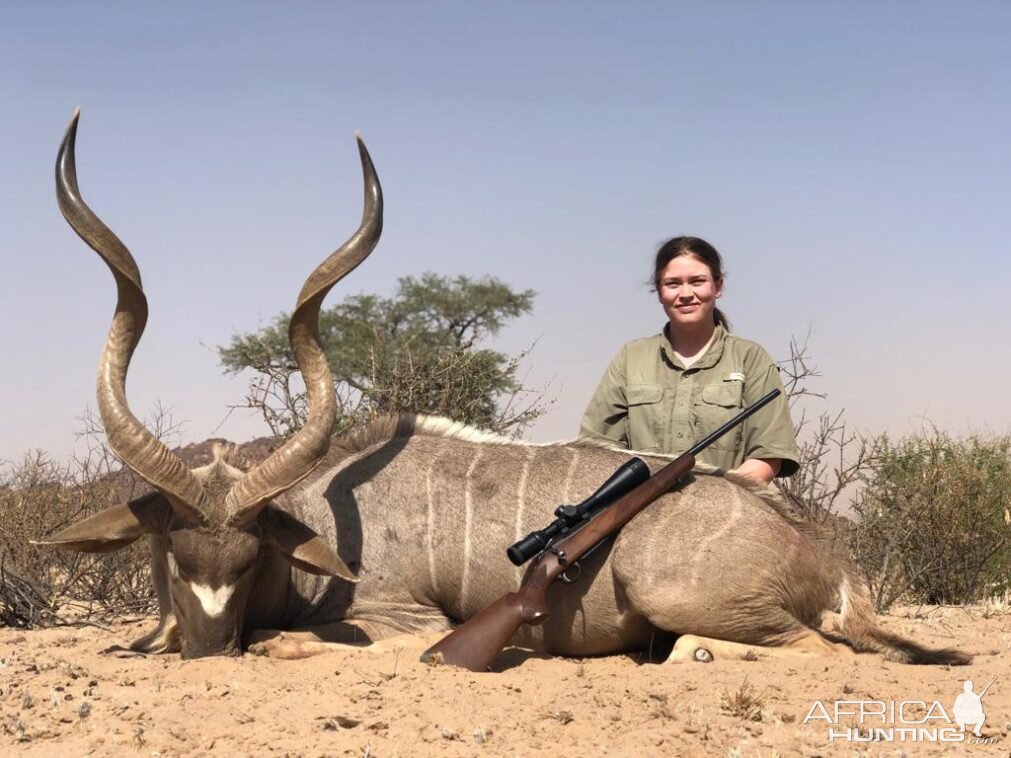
905,720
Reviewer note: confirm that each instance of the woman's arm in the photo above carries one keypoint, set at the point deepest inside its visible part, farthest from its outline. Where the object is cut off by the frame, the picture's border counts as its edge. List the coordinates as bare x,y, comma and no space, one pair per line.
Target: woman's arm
768,435
606,416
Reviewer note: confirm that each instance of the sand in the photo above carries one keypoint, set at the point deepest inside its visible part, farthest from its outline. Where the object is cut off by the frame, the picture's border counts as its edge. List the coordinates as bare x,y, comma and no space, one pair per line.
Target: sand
62,693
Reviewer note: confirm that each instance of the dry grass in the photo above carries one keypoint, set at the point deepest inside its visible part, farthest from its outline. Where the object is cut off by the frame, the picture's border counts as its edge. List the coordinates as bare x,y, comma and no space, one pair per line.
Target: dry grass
998,605
745,703
44,586
40,585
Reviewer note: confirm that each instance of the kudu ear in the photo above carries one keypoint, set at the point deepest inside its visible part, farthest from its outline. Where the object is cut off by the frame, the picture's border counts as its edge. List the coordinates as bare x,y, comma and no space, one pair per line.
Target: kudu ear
301,545
115,527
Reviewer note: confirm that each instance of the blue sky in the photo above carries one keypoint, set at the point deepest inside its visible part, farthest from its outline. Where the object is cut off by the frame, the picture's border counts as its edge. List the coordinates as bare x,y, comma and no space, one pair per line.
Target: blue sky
850,160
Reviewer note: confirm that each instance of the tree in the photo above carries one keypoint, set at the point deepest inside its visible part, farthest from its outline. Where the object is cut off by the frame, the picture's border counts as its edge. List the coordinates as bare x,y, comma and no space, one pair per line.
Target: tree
418,351
833,458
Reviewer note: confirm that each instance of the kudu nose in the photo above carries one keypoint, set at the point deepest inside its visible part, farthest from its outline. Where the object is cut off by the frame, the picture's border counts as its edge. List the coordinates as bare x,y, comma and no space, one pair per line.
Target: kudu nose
207,645
232,648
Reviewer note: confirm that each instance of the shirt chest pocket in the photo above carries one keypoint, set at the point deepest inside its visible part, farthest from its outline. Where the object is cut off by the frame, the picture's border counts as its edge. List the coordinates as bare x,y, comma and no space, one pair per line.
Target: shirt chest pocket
645,417
725,395
643,394
720,403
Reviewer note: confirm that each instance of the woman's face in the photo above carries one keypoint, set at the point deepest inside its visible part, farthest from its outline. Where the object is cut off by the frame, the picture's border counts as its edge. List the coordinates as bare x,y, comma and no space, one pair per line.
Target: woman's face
688,292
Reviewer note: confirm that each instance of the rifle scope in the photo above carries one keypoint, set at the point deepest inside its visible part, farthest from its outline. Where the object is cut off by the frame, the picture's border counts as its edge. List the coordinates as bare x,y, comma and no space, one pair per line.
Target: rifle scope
629,475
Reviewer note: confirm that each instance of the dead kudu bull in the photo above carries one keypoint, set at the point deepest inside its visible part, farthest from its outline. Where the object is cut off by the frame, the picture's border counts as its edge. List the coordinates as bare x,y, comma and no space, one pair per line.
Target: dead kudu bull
421,510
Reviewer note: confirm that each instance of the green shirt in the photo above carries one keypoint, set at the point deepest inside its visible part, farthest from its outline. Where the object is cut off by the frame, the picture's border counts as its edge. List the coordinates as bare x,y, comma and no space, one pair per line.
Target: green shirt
649,402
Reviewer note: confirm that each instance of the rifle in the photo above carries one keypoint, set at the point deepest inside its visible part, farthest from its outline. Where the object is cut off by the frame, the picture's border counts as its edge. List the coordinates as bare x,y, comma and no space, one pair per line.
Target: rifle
572,517
474,644
987,688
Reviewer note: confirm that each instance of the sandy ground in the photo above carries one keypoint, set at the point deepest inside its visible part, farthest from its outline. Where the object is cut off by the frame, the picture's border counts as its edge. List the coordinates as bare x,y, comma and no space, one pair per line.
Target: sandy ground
61,695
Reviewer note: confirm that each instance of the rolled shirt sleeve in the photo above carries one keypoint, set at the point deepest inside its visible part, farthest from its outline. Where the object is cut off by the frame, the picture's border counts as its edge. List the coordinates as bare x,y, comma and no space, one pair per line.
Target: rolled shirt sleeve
606,416
769,432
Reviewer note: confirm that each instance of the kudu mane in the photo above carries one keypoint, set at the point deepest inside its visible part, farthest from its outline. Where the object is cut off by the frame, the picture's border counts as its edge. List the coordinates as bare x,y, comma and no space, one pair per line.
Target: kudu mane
387,428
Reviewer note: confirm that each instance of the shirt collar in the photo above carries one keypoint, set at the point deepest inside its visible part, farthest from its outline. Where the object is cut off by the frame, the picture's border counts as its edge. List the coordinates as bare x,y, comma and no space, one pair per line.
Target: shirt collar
709,359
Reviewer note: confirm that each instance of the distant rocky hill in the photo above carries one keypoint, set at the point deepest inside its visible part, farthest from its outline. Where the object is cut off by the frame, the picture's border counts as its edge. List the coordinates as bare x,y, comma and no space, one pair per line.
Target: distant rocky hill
129,486
252,452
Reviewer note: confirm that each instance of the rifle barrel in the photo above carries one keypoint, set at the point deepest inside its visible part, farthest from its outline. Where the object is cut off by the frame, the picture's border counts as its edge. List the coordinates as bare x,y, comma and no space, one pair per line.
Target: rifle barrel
987,687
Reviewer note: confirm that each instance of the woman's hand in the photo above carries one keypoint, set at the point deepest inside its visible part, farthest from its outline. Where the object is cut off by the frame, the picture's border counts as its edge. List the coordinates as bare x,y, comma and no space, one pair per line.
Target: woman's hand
759,470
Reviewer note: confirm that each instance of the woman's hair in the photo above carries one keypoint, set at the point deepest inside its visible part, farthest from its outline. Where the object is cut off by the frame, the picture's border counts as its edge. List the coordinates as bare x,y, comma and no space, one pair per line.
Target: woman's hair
702,250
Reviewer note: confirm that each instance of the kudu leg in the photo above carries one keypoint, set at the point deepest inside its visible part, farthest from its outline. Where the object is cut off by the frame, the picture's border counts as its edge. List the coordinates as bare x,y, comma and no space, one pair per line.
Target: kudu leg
164,638
304,643
324,638
692,648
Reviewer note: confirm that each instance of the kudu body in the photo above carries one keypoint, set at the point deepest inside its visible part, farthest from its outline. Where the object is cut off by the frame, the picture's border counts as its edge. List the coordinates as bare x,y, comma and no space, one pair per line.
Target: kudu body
426,508
402,526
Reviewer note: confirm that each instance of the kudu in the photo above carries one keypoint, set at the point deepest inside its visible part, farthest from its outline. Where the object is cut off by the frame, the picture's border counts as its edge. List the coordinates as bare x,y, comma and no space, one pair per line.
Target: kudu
423,508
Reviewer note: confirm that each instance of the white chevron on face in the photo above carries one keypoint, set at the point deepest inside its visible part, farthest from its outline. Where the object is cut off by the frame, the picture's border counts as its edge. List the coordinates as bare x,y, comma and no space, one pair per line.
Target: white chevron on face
212,600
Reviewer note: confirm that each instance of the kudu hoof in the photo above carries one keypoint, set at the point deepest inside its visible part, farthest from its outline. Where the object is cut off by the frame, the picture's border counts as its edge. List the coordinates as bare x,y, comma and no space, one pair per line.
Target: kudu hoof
702,655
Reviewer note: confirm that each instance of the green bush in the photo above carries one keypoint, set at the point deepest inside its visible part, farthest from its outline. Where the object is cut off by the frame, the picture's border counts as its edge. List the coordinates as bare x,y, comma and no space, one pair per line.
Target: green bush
934,519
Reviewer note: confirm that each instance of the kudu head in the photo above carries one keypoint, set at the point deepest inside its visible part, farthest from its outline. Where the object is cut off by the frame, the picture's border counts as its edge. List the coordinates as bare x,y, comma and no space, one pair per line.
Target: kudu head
214,520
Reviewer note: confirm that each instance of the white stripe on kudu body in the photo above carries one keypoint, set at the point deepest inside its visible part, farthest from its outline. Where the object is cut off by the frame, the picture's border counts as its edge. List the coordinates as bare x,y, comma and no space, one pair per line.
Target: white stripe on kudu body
703,547
213,601
521,490
468,516
431,525
521,502
569,475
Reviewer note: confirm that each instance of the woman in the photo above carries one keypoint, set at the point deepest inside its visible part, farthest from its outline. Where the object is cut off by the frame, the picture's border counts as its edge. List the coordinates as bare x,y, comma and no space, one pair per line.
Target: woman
663,393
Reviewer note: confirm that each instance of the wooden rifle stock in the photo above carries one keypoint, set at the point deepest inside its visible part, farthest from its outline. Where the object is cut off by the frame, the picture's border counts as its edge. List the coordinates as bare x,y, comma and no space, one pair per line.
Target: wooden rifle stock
475,644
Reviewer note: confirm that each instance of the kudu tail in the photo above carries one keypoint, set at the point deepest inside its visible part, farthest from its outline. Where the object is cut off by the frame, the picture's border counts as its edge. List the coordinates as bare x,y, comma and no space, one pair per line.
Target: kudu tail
860,627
